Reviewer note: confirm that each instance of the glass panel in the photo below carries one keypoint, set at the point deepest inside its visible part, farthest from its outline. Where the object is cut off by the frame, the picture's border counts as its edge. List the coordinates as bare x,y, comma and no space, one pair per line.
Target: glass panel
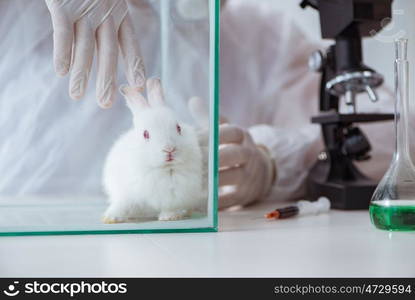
54,152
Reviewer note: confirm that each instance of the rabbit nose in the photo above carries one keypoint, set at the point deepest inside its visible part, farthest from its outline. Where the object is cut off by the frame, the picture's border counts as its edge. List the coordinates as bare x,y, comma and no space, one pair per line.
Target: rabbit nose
169,149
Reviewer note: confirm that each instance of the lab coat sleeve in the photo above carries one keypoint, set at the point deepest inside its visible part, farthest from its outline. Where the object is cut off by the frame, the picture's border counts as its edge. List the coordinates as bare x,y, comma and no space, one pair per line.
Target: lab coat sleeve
293,141
293,152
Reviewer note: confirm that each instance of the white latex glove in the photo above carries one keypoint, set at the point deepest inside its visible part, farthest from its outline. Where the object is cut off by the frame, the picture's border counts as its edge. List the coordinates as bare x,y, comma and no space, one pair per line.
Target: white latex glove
246,170
80,24
244,166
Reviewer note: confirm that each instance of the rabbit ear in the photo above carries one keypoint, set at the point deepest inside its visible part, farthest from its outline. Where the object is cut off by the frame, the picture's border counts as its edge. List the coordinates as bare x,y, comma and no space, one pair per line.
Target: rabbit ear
135,100
155,92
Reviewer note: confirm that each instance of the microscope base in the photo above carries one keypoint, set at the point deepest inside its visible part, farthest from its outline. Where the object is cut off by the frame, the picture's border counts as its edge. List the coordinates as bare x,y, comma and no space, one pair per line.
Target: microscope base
346,195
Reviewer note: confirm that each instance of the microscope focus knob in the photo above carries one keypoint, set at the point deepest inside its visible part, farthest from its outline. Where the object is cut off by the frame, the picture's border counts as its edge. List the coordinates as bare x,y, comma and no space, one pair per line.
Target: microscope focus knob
316,61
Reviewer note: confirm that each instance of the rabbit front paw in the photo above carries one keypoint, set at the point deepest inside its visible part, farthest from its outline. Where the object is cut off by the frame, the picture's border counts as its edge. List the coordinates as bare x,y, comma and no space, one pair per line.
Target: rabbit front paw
109,220
174,215
114,215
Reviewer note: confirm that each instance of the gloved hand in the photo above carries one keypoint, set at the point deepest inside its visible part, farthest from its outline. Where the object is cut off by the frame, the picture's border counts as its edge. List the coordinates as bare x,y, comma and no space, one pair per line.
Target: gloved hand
80,24
246,170
244,166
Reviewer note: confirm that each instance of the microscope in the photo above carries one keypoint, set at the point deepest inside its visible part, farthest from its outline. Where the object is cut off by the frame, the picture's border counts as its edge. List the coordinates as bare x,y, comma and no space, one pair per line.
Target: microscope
343,76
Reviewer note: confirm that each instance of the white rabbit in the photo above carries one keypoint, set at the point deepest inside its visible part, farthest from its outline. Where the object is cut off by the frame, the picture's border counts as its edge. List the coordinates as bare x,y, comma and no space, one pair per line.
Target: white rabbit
155,169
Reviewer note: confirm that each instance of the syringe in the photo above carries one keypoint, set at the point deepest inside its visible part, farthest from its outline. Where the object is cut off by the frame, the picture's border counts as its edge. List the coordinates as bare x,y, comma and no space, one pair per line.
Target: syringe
303,207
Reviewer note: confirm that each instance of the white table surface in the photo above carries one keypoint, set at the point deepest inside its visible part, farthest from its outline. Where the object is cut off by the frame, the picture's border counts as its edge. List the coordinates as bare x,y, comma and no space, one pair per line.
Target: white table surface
336,244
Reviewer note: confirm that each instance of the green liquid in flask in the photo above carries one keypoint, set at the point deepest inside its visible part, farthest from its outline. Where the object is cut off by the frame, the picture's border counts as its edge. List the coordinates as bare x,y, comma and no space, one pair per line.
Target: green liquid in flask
387,216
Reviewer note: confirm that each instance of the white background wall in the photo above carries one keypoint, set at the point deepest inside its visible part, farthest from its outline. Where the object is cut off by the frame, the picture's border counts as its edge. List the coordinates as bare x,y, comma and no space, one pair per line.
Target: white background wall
378,51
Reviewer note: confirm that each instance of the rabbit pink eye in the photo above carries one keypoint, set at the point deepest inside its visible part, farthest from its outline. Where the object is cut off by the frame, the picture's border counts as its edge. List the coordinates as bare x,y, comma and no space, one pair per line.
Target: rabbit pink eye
146,134
179,129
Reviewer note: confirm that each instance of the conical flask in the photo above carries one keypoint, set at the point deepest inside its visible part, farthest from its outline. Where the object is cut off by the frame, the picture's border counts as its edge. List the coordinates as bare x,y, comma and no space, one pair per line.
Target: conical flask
393,202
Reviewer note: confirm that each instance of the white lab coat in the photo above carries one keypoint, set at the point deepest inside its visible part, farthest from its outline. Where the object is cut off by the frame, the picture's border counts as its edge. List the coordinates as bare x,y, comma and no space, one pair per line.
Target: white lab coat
52,145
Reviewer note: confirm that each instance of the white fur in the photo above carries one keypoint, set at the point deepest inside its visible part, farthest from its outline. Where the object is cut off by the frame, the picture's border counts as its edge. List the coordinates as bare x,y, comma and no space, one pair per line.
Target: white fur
138,180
